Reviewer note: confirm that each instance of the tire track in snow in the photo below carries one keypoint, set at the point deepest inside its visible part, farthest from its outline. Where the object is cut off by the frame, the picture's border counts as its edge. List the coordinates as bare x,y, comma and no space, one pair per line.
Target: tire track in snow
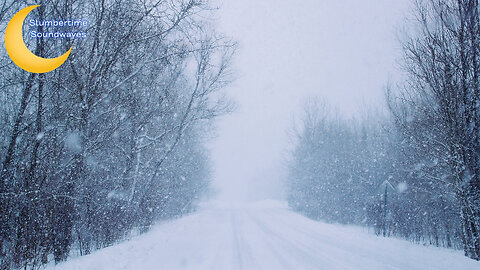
292,248
329,249
242,251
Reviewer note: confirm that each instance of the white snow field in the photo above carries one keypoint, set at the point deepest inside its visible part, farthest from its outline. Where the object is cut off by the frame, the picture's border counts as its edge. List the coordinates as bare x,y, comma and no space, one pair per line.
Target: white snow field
265,235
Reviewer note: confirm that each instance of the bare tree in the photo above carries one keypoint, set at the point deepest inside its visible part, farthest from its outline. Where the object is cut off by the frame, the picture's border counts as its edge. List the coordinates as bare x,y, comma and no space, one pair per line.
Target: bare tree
439,106
90,146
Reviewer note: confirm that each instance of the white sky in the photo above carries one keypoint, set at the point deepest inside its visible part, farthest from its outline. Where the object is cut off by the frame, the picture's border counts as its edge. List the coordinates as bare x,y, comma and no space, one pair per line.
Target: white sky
341,50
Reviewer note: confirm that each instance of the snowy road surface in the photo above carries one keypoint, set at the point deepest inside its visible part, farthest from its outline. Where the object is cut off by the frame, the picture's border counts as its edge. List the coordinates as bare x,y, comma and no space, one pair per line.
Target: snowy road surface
265,235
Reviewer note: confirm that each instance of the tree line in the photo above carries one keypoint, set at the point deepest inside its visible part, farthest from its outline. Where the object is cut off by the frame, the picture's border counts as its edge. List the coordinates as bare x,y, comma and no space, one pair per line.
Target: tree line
424,155
113,139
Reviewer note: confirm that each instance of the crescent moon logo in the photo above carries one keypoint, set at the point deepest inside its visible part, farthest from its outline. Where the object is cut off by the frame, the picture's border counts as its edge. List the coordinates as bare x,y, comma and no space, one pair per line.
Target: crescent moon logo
20,54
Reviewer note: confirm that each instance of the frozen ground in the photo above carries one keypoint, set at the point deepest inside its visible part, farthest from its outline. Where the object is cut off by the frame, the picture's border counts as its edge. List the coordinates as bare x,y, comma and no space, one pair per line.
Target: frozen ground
264,235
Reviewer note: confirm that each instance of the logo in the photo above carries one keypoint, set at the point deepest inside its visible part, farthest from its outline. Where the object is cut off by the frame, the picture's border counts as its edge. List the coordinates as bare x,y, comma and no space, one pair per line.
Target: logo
20,54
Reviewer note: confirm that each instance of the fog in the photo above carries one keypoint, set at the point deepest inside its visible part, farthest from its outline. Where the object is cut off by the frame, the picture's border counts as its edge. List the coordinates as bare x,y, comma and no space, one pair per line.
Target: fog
344,51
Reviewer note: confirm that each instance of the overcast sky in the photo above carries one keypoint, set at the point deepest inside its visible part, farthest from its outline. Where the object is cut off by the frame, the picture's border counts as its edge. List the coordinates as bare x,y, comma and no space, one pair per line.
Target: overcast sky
342,50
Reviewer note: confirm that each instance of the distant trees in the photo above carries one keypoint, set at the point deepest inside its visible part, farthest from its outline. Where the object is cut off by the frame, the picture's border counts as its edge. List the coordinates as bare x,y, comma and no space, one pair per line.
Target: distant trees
328,176
432,147
337,171
112,140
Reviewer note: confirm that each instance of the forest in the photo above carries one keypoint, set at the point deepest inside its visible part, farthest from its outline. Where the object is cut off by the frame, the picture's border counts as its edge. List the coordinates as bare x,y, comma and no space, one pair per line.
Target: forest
113,140
414,170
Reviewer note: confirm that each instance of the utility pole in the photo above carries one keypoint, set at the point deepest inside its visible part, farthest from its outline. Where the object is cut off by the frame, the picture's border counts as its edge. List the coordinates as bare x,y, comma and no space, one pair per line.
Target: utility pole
387,185
385,211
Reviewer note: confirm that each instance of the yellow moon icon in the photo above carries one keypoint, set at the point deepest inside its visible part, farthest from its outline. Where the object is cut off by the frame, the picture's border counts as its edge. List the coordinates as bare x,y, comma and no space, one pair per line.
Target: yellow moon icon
18,51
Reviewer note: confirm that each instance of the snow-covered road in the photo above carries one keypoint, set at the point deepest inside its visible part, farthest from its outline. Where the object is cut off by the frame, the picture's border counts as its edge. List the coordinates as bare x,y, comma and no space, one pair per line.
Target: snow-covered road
264,235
